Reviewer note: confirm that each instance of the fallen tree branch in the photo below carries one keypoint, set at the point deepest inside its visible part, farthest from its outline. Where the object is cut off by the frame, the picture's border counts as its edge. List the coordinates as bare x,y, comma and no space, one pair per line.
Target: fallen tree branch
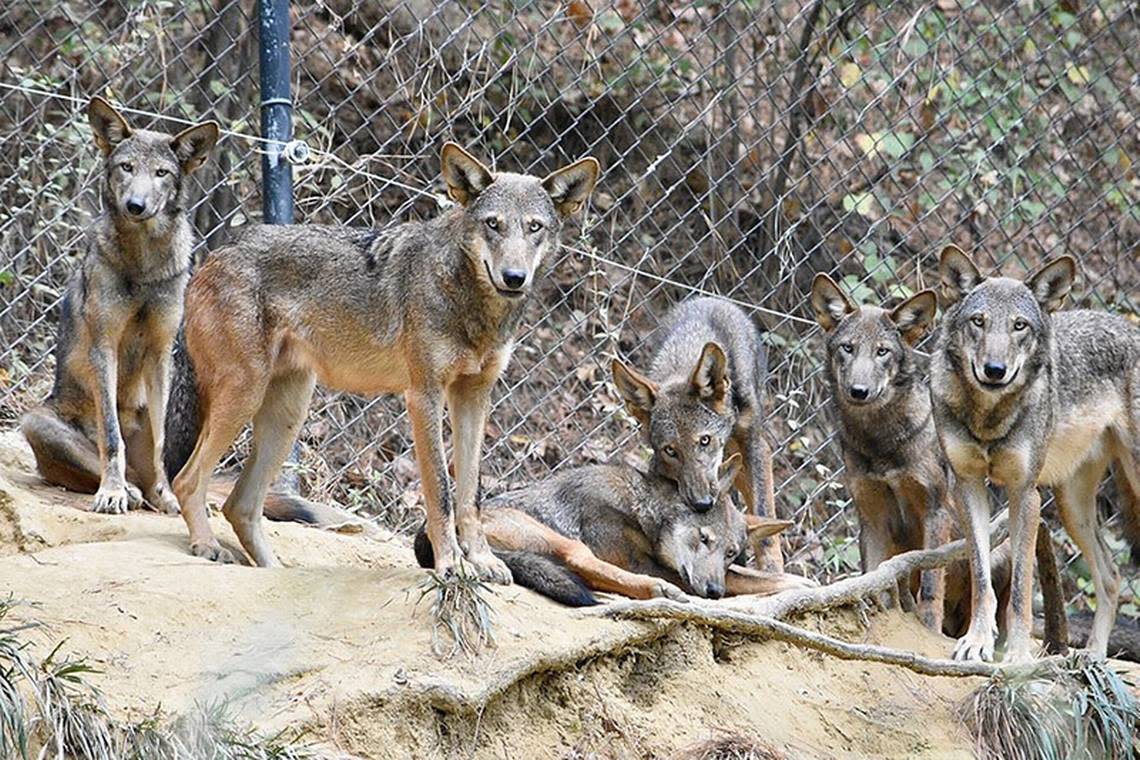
883,578
740,621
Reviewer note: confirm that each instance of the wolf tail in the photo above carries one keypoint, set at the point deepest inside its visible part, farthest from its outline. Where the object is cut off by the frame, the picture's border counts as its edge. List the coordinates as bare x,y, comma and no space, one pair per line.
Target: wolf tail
183,411
537,572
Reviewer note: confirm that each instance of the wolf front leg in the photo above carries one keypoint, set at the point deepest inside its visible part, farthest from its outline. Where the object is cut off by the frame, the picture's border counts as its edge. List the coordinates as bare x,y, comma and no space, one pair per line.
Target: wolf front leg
1024,518
425,409
113,496
978,643
932,582
157,489
469,399
756,485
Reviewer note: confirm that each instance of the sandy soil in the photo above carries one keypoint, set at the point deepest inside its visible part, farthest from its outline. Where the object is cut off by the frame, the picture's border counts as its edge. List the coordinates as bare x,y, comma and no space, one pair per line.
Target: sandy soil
336,641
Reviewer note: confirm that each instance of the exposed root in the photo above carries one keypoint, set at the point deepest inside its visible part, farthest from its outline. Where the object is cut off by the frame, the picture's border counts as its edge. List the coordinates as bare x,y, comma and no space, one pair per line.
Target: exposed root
739,621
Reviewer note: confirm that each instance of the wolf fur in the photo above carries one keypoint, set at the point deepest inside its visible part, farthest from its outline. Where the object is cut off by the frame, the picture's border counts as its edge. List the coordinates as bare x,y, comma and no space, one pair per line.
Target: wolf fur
427,309
702,400
101,430
618,529
895,472
1026,397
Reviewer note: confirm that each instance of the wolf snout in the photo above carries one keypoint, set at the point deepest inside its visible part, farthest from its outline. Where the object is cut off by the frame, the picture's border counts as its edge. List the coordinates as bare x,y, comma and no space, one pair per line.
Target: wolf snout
702,504
859,392
714,590
994,370
136,206
514,278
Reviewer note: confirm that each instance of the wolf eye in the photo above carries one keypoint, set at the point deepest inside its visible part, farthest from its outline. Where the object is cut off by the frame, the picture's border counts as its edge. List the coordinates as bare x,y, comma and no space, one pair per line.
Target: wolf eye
978,320
161,172
704,538
127,166
493,223
731,552
534,226
882,351
1020,324
705,440
670,451
847,348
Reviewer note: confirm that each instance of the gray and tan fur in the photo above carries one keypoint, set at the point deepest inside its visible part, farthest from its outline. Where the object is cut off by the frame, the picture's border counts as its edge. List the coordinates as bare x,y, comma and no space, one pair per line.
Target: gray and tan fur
101,430
1025,398
615,528
425,309
895,471
702,400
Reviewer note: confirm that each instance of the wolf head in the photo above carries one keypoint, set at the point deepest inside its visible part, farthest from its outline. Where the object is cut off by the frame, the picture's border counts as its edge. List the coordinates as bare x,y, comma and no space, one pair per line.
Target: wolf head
869,353
997,329
687,423
512,221
143,170
699,547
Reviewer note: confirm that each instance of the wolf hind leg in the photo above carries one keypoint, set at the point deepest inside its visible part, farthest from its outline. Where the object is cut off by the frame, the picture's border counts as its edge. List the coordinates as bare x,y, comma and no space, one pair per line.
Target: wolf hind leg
275,427
1077,500
756,484
64,455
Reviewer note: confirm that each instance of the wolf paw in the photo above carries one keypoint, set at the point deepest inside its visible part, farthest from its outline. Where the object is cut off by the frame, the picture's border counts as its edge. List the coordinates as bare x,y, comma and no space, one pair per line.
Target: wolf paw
490,568
162,499
666,590
111,500
975,647
213,551
134,497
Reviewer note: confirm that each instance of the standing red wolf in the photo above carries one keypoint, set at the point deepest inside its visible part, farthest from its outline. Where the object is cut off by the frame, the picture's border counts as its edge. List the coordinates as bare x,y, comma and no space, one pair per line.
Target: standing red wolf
428,309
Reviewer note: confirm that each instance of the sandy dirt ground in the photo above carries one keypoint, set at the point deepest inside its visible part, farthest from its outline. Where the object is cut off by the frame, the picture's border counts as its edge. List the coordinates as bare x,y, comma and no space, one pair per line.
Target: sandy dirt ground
336,642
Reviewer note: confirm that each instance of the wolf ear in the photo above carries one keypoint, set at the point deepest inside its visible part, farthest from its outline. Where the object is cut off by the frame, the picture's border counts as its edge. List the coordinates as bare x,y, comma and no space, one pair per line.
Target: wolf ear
710,377
829,302
958,273
191,146
1051,283
109,126
915,315
570,186
465,176
762,527
729,469
639,393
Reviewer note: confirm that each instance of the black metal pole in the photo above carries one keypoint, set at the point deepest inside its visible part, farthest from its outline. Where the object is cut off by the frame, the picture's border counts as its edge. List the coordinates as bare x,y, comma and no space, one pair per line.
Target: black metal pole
276,111
277,126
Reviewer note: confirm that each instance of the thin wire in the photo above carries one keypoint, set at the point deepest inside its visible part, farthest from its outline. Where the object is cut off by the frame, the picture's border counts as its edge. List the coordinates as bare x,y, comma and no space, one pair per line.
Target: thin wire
689,288
440,200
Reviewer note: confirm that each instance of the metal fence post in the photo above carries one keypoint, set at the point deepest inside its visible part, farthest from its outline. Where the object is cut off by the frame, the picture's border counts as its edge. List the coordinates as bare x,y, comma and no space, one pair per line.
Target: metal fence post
277,125
276,111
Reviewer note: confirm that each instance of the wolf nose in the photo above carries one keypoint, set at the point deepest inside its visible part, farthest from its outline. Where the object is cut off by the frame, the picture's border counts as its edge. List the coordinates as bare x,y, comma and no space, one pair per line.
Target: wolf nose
136,206
860,392
994,370
702,505
714,590
514,278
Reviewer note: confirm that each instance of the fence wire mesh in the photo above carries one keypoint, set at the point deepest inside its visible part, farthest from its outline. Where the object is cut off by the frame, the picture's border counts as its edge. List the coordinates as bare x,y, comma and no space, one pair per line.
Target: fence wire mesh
745,146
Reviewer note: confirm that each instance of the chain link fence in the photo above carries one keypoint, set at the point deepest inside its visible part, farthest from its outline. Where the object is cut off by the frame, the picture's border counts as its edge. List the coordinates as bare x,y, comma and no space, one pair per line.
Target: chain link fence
745,145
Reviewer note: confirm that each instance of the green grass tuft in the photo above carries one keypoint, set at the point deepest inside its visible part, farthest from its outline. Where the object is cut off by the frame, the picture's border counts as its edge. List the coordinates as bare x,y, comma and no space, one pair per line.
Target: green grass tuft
1082,709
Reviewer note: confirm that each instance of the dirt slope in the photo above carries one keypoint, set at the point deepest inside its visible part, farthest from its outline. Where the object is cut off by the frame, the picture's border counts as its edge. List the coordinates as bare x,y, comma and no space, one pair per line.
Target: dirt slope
337,642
